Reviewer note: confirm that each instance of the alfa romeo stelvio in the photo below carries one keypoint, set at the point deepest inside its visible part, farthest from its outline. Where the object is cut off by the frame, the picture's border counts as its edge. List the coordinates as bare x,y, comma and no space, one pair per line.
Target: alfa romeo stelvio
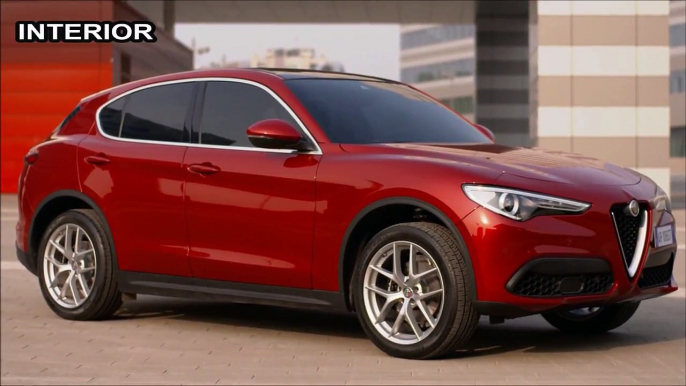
333,191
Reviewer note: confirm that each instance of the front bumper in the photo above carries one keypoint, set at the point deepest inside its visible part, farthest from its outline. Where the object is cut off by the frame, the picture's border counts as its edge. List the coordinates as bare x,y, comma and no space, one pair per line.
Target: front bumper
553,263
649,286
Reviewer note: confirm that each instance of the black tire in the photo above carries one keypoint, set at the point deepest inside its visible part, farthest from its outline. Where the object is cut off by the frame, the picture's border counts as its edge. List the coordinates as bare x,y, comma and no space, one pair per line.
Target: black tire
105,298
459,318
608,318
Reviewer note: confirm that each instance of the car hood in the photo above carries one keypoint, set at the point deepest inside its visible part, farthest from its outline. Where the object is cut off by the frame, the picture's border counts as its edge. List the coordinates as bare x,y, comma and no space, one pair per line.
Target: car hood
535,164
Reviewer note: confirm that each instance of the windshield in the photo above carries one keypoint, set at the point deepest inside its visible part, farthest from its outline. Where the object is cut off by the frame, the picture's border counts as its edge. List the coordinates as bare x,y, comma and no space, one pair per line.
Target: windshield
360,112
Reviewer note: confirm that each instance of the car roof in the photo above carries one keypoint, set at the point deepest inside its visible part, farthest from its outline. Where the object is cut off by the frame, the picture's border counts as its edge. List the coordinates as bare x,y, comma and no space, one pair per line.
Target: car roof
262,75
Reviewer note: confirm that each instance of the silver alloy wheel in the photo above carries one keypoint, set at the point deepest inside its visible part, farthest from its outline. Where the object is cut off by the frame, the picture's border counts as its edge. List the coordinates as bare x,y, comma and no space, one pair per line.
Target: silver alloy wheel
69,265
403,292
581,313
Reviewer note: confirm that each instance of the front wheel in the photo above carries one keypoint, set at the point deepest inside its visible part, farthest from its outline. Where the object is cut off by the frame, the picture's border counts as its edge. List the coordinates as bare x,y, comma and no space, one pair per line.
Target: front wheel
592,320
411,292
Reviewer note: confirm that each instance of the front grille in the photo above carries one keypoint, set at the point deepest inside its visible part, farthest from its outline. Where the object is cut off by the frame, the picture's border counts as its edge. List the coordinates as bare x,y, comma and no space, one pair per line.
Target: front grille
542,285
656,276
627,231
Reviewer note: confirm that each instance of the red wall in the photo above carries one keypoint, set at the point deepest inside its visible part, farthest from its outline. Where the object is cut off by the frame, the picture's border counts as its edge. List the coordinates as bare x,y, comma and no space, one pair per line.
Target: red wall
42,82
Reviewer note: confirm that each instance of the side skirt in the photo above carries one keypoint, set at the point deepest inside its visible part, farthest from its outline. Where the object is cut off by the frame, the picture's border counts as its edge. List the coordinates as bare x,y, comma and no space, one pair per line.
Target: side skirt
176,286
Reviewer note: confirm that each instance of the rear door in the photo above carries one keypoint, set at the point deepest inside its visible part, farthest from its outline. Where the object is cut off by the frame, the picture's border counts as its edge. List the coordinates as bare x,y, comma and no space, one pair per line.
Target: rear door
251,215
133,165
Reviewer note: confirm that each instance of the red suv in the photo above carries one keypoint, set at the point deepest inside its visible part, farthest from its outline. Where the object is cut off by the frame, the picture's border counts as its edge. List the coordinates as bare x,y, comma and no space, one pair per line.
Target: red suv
333,191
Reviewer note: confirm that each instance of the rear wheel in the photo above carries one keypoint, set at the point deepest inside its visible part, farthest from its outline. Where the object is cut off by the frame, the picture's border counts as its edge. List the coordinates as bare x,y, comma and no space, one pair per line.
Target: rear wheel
76,267
411,292
592,320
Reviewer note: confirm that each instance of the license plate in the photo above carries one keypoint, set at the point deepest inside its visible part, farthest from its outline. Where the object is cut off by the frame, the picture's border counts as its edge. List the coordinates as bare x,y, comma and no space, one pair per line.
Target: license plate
663,236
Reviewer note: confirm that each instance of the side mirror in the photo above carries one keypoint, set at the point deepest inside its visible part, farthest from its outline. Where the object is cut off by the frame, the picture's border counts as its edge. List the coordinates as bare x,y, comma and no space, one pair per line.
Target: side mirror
276,134
486,132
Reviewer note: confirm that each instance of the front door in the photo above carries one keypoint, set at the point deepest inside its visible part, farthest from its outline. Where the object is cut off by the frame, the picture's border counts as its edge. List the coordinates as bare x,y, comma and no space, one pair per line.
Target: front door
249,211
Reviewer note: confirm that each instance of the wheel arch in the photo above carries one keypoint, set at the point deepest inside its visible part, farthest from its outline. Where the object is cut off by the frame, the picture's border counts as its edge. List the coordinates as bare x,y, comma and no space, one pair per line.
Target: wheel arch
346,256
54,204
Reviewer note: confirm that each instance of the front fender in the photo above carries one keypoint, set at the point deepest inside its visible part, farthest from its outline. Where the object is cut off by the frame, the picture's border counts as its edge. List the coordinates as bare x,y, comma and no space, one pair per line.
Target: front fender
436,208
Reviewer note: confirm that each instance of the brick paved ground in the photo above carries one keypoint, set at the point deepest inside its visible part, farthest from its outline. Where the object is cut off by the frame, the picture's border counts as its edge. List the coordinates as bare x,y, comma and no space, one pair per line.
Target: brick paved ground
165,341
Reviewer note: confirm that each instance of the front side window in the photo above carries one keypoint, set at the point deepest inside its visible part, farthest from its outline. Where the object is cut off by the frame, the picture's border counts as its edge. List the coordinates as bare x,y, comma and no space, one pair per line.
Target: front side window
157,113
361,112
229,108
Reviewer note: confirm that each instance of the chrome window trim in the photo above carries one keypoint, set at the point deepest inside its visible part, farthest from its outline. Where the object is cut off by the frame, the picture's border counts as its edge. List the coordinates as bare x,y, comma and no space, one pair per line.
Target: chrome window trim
318,150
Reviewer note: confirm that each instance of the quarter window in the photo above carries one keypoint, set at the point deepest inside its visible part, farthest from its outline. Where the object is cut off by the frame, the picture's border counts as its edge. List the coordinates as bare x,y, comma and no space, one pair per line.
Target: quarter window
158,113
229,108
67,119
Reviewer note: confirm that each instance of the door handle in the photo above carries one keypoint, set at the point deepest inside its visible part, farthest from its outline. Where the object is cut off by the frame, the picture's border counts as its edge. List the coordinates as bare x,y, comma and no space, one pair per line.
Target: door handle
99,159
204,168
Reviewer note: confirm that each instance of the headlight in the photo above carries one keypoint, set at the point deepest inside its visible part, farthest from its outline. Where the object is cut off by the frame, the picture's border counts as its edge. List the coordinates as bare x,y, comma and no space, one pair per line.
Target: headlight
519,205
661,201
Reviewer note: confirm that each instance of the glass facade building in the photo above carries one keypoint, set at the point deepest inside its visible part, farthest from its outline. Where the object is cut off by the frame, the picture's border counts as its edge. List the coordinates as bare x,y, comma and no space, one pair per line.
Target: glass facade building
435,35
440,60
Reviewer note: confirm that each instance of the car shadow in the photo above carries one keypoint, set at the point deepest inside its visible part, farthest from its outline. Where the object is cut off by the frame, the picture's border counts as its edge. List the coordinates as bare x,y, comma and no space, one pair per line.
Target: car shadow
245,315
530,334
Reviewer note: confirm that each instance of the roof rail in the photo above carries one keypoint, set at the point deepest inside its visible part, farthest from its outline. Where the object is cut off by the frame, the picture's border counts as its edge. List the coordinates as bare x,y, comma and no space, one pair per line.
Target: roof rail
296,70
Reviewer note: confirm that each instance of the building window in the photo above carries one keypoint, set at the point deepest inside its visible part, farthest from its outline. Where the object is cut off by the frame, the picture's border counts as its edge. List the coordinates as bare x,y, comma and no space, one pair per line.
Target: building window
445,70
677,35
677,81
463,105
435,35
678,142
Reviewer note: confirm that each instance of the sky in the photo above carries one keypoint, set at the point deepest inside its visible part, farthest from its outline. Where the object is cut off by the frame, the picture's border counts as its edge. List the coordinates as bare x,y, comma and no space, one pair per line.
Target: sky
370,49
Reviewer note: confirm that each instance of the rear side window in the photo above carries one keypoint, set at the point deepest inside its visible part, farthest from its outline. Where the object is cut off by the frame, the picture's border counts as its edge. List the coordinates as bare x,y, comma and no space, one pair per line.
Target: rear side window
157,113
229,108
110,117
